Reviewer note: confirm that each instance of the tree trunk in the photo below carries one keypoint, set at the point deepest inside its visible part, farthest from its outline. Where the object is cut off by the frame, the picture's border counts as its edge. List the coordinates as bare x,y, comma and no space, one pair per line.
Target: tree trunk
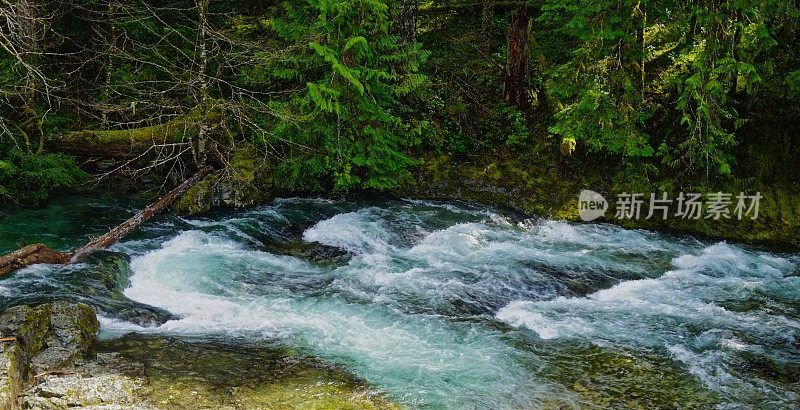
487,19
692,30
518,60
202,82
31,26
39,253
113,5
31,125
407,21
640,17
737,38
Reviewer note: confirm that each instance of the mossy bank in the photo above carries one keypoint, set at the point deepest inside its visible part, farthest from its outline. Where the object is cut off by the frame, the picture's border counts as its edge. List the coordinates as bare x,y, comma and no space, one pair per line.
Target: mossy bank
540,189
543,190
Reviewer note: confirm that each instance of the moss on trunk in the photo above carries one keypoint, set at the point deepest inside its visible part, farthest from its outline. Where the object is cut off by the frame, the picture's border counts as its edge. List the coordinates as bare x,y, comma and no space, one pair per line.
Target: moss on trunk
130,143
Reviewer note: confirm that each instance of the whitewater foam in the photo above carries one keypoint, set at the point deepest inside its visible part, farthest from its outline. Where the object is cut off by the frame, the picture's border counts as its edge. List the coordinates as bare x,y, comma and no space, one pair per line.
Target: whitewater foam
419,302
659,313
380,344
357,232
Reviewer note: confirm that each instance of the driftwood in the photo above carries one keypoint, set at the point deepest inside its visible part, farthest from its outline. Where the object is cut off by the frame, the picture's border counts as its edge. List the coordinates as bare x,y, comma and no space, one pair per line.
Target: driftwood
31,255
39,253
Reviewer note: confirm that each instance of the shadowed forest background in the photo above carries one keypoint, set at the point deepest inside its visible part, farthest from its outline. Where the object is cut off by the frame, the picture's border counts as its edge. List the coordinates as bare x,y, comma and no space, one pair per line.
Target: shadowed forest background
521,103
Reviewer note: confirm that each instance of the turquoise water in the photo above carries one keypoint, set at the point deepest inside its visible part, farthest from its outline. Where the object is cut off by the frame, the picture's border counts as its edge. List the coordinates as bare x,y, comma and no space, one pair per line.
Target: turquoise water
445,305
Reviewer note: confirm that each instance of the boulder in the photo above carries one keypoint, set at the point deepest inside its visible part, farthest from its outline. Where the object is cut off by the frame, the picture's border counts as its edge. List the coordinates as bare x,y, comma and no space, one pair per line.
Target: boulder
47,338
105,391
245,181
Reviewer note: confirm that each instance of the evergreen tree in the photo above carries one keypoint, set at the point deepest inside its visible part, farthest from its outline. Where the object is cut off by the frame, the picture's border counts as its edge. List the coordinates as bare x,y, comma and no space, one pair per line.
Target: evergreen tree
348,124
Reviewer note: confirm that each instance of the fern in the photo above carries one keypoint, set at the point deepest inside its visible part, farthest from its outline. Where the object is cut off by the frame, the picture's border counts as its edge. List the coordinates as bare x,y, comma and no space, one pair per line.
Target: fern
28,179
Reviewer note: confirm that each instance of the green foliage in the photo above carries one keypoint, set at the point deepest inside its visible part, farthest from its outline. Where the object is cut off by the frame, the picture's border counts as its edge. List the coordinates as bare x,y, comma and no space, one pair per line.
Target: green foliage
656,92
729,59
28,179
467,115
347,129
602,104
518,132
631,67
793,81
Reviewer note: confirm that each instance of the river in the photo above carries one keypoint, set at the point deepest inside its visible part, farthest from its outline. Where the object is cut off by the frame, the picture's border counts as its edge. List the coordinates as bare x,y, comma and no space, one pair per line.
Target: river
445,305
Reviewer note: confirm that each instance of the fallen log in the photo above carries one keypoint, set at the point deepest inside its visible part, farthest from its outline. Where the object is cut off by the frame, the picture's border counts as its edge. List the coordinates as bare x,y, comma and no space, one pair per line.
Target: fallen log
31,255
437,7
40,253
123,229
128,144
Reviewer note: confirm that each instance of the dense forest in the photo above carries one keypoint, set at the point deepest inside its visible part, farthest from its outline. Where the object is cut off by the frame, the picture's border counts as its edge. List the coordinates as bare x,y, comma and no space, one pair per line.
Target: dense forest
336,96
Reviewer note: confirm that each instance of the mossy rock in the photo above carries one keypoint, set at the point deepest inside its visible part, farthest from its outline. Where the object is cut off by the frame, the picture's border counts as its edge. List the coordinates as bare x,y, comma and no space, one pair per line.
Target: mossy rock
227,374
247,181
48,337
197,200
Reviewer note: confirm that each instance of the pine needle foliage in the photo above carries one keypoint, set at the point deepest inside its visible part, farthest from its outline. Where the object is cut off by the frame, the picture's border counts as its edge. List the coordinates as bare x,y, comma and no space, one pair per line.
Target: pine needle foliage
346,129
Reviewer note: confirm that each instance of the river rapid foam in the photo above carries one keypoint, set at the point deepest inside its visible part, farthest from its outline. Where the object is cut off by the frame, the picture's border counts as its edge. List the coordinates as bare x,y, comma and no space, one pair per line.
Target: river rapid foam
460,306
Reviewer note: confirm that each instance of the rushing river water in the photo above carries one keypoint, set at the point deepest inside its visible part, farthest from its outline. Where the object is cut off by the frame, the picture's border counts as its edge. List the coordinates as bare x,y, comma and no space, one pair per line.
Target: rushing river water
448,305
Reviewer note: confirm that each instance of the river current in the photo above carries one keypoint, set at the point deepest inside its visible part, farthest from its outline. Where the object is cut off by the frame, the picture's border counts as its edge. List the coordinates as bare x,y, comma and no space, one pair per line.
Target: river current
449,305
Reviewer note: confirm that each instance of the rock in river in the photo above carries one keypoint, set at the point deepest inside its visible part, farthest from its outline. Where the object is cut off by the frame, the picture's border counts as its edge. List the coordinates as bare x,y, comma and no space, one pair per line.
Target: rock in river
47,338
55,362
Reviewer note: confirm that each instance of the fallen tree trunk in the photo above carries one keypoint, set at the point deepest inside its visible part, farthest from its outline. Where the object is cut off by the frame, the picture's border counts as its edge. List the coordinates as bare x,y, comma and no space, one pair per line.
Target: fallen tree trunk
31,255
473,5
40,253
129,144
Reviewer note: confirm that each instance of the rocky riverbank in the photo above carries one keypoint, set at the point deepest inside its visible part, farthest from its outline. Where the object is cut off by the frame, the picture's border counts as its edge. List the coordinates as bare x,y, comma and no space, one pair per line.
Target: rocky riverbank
51,360
40,342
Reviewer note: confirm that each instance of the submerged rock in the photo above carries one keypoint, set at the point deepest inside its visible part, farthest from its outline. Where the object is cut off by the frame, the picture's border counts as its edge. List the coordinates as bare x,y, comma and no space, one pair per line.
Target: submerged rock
137,313
608,377
101,284
231,374
314,252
